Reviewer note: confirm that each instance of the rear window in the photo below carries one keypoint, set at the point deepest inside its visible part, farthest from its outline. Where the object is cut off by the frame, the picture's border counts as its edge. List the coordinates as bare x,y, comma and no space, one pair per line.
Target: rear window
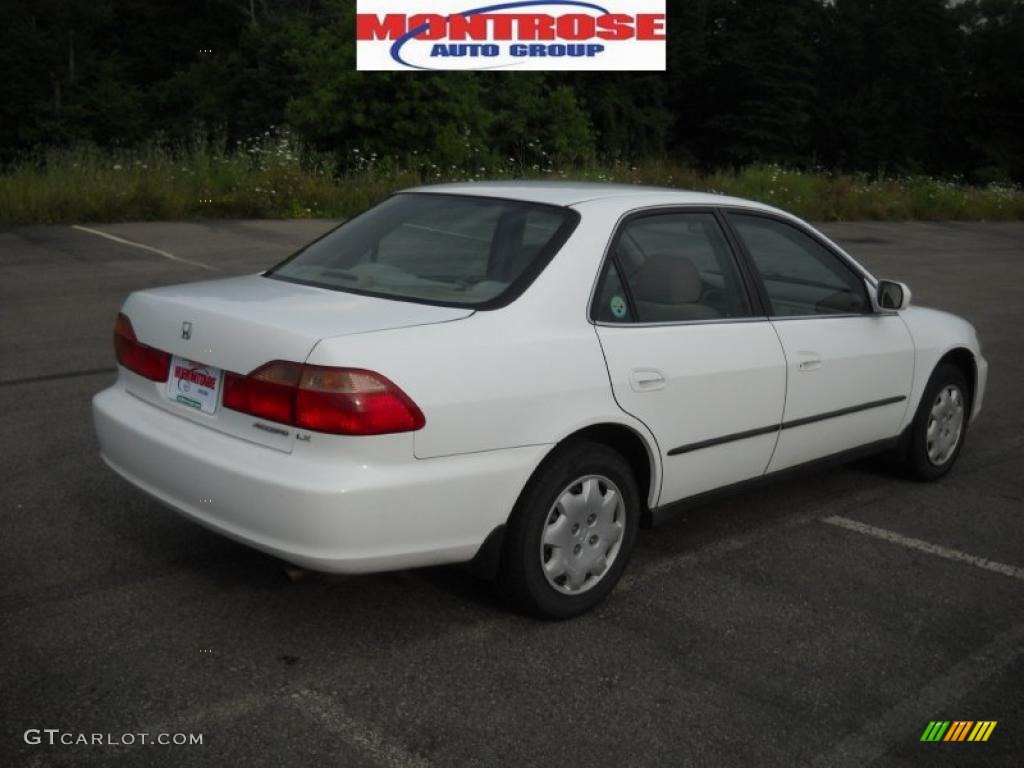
436,249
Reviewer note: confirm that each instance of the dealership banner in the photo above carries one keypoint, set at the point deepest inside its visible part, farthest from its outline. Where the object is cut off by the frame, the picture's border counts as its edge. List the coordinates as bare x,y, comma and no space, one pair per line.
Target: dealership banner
510,36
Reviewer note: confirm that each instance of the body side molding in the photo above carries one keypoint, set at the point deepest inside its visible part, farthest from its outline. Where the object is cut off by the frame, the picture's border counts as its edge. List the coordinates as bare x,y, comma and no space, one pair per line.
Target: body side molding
785,425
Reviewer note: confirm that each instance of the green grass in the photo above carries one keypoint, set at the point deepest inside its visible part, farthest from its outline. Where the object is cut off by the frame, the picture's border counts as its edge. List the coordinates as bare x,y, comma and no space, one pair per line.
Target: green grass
270,177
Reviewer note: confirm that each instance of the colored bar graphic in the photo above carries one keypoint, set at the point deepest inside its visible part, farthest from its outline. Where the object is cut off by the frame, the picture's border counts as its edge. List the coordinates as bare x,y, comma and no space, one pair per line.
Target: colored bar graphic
935,730
982,730
958,730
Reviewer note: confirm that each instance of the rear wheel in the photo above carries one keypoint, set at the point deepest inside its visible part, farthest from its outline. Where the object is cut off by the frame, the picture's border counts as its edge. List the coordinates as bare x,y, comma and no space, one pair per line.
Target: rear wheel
940,425
571,533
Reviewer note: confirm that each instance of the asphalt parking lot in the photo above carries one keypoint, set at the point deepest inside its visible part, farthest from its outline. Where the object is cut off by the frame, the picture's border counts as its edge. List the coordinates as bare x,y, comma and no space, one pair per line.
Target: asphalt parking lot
823,621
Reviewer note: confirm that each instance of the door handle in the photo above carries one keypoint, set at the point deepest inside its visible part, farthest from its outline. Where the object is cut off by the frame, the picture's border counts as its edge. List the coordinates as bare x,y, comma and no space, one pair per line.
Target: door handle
646,380
809,361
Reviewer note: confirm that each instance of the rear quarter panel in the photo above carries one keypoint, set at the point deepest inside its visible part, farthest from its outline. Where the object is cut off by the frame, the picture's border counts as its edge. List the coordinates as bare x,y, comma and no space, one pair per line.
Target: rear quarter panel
483,385
531,373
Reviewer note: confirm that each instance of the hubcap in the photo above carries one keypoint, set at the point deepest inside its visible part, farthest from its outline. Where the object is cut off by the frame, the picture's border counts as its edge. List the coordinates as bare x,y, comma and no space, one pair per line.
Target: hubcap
945,425
582,535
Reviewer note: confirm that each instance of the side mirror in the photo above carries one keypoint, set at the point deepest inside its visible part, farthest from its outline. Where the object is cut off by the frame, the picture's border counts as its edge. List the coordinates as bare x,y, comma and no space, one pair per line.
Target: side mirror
891,296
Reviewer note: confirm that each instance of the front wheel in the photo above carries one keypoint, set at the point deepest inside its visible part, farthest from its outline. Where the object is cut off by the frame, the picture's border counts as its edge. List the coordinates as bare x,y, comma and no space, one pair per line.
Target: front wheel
940,425
571,533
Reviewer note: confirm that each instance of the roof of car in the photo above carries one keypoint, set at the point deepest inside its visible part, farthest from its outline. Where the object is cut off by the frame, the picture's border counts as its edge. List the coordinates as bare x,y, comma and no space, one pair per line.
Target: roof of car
573,192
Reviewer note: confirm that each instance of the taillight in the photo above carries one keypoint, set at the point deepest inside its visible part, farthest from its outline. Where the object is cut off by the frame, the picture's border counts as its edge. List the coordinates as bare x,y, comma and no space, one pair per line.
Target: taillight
146,361
267,392
342,401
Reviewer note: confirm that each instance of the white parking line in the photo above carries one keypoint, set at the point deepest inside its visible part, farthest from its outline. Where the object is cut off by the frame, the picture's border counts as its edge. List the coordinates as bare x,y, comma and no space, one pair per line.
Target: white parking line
330,714
435,230
708,553
904,722
635,576
145,247
925,546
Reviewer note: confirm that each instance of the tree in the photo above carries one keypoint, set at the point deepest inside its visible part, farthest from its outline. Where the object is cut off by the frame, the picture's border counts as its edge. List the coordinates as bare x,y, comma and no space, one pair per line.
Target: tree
888,86
992,99
761,81
888,78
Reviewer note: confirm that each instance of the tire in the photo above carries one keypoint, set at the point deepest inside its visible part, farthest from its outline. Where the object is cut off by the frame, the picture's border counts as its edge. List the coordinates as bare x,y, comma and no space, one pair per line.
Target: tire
940,424
569,538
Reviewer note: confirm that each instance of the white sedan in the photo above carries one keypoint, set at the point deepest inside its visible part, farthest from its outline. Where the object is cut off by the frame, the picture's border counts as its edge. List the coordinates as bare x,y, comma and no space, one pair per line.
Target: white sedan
520,375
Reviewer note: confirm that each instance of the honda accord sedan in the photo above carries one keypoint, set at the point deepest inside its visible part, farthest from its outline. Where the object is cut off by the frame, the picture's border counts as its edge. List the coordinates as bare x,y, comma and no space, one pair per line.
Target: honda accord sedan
519,376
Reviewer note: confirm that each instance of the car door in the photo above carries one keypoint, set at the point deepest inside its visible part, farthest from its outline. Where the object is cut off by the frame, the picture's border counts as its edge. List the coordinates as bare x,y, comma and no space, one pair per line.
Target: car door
849,369
689,350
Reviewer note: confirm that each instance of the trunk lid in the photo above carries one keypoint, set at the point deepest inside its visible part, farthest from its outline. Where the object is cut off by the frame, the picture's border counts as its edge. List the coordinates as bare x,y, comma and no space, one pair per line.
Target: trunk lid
238,324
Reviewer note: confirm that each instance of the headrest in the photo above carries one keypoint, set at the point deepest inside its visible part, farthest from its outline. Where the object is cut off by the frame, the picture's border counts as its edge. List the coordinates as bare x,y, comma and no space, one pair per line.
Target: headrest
666,278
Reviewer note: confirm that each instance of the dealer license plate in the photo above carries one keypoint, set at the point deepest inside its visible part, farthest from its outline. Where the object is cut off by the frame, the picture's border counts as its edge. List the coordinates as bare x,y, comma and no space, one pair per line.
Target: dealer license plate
194,384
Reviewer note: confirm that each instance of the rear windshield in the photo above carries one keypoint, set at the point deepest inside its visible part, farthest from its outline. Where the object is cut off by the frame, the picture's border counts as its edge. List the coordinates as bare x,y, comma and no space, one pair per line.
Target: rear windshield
436,249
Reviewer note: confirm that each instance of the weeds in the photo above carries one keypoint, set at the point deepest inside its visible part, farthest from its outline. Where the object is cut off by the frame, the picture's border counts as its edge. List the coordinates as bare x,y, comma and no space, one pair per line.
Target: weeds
272,176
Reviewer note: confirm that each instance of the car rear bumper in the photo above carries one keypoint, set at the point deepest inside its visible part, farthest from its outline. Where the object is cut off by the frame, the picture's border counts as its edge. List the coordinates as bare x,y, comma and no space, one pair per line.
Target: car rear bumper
342,515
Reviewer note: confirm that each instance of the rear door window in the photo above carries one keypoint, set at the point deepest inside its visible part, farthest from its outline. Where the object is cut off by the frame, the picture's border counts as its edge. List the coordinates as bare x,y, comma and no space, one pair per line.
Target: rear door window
671,267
